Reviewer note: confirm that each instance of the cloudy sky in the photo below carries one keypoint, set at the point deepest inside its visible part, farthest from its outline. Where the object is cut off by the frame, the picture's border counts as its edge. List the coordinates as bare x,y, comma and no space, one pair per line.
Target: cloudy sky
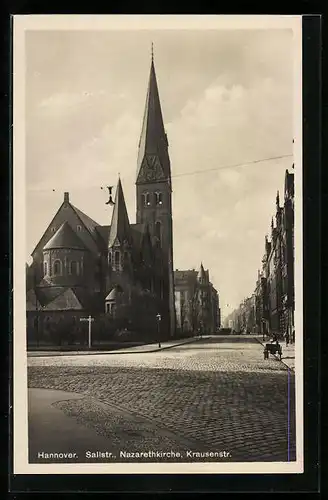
226,98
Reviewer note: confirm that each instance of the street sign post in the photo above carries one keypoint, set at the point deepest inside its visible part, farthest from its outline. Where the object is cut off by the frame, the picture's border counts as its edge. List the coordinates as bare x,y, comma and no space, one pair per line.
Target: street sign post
89,319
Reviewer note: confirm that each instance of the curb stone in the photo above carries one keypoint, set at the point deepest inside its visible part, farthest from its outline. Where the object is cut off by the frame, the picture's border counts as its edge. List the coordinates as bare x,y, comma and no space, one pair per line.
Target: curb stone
118,351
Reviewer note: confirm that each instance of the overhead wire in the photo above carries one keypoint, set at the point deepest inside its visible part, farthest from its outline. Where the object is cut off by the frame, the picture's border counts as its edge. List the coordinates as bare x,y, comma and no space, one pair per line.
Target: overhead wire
195,172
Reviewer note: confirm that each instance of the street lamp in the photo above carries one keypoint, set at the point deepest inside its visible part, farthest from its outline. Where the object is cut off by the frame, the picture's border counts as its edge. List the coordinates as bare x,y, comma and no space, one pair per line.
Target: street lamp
159,319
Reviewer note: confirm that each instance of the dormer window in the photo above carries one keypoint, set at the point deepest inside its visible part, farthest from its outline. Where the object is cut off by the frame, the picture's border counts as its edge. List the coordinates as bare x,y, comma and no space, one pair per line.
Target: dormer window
110,308
53,229
159,198
146,199
79,228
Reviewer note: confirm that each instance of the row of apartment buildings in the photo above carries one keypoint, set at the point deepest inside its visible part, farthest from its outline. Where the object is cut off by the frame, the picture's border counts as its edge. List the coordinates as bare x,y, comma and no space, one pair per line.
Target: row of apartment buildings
196,302
270,309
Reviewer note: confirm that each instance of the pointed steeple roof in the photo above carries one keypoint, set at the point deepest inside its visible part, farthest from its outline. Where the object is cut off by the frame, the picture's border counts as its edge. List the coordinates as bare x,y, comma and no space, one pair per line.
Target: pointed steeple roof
201,273
153,140
120,225
65,237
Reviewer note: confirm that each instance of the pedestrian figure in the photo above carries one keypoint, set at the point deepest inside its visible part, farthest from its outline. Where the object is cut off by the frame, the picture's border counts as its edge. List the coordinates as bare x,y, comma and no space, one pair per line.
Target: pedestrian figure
287,338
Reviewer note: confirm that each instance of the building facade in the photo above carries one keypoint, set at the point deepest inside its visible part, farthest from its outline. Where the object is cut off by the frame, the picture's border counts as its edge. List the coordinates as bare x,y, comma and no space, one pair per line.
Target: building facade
273,299
196,301
117,271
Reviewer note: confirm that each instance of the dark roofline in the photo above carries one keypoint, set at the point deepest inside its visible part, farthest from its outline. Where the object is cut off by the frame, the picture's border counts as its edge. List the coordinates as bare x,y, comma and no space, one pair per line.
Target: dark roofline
96,224
72,206
47,227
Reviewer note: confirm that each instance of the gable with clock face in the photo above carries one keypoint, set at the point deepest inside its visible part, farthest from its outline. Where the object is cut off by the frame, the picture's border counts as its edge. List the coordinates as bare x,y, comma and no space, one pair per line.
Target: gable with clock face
151,169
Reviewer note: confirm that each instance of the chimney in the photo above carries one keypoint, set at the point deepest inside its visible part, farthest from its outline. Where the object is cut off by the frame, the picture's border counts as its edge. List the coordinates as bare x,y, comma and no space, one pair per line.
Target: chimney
66,197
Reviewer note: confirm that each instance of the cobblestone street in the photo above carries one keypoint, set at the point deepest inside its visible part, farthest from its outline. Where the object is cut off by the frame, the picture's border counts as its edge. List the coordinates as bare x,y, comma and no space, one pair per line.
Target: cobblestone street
212,395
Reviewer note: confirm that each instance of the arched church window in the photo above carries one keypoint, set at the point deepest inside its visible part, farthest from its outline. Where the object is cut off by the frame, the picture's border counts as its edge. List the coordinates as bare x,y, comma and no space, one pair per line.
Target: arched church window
110,258
158,231
117,258
146,199
74,267
57,267
45,269
159,198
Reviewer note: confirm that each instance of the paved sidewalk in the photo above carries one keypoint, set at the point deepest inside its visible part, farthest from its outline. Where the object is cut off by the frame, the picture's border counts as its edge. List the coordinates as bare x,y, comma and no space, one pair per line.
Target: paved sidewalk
51,431
288,353
146,348
79,428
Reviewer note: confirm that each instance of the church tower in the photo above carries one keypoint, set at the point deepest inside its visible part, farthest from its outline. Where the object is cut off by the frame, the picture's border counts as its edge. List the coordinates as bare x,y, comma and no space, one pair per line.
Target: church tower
119,243
154,193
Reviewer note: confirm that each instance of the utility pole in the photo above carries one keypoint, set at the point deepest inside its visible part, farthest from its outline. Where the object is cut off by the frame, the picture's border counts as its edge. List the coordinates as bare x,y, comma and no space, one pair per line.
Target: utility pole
159,318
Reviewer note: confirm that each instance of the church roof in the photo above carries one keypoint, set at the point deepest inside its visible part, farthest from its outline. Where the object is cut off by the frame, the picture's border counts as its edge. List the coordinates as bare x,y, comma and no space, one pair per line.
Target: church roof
89,223
65,301
120,225
103,233
65,237
47,292
32,301
65,212
153,140
50,297
112,294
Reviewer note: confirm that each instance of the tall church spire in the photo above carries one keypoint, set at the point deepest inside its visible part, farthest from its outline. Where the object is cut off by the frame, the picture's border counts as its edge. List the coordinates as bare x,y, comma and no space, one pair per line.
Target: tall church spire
120,226
153,159
154,196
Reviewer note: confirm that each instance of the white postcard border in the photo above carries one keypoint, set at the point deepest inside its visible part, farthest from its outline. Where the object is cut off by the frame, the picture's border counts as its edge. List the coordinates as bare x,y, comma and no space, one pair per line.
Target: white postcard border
150,22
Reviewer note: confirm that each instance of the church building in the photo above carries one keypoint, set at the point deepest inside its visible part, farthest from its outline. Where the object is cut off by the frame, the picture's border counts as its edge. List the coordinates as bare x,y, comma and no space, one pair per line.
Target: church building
117,271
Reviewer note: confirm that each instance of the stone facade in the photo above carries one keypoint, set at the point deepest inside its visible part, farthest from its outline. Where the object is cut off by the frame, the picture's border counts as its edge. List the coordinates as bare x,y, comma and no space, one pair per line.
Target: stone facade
196,302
